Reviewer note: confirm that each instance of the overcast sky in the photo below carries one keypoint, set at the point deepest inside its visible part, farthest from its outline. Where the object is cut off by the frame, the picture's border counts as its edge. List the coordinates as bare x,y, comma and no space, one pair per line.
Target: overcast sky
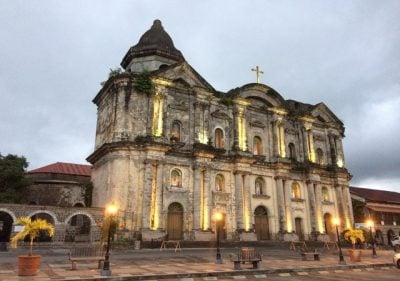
54,54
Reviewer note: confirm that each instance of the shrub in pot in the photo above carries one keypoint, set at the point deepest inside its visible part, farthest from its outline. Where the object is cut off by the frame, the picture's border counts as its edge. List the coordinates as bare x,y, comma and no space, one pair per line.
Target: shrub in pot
29,264
354,235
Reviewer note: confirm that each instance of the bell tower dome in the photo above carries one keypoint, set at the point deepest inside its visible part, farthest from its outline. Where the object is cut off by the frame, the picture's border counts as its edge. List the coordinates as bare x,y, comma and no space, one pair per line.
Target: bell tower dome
154,49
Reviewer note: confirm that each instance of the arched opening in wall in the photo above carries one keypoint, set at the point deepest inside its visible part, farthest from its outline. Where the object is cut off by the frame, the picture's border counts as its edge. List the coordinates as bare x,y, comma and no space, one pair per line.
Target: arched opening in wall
6,222
257,145
329,227
261,223
219,139
296,192
175,221
176,178
298,222
78,229
325,193
320,156
378,237
176,131
43,235
219,183
292,151
259,186
79,205
390,234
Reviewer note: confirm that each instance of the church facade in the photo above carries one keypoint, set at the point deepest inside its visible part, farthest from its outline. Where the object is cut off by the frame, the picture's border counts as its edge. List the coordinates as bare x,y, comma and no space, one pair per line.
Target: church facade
171,151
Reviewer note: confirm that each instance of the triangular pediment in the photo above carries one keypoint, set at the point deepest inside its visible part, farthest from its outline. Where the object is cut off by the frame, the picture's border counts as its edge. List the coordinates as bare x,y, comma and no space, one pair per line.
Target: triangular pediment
323,114
184,75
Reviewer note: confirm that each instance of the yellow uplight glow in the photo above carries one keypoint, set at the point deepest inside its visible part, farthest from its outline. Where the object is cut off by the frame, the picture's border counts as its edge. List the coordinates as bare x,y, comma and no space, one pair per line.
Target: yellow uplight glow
217,216
370,223
339,163
336,221
111,209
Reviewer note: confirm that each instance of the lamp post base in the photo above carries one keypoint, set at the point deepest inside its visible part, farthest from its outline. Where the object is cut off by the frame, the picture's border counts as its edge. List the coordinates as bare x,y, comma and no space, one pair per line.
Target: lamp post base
342,262
105,272
218,261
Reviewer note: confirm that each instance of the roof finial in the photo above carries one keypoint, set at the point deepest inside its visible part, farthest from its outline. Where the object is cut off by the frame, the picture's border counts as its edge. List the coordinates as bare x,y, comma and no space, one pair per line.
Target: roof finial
258,73
157,24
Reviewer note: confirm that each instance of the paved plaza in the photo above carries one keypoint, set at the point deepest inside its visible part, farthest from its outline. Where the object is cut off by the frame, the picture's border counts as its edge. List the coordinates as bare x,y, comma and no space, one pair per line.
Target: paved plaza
190,264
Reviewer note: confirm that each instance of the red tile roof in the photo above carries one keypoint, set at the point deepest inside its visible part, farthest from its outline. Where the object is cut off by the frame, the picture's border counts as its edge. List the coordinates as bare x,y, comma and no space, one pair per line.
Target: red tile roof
376,195
65,168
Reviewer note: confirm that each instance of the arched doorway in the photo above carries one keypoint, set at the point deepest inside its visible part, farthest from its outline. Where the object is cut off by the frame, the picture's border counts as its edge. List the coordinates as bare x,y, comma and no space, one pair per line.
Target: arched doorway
6,222
78,229
175,221
261,223
390,233
379,237
298,222
329,228
43,235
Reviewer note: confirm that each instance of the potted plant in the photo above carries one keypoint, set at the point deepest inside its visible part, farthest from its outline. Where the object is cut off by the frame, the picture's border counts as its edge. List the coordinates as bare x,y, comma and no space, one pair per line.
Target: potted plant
29,264
354,235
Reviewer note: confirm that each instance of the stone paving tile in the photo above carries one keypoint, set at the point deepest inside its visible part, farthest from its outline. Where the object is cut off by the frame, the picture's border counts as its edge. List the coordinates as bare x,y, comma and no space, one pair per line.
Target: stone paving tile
302,273
238,277
285,274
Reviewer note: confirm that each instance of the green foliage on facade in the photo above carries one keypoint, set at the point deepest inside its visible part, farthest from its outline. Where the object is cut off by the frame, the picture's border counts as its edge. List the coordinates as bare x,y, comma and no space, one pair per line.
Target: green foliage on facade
113,72
13,183
142,83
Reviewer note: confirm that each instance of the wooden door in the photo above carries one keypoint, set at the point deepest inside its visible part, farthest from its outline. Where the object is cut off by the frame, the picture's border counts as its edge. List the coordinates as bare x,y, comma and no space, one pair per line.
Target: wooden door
299,230
175,222
261,223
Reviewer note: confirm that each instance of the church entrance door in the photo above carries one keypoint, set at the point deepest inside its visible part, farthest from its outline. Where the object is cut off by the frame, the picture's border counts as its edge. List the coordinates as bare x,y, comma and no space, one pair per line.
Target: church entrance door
299,230
261,223
175,221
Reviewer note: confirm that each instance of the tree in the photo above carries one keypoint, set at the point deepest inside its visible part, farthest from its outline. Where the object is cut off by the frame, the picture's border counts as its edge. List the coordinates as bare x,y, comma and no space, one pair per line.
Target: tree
13,182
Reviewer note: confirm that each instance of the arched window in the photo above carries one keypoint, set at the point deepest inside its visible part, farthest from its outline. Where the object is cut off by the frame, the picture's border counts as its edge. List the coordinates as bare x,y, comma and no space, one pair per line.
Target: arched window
320,156
176,178
219,182
219,138
257,145
292,151
325,194
176,131
296,194
259,186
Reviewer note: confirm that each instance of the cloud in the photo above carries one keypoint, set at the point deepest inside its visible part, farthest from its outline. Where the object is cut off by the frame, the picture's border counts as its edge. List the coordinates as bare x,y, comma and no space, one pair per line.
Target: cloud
343,53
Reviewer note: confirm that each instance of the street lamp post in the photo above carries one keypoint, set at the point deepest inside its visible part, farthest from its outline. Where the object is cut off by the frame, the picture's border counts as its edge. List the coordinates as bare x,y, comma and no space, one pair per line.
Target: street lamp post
111,211
218,217
370,223
336,222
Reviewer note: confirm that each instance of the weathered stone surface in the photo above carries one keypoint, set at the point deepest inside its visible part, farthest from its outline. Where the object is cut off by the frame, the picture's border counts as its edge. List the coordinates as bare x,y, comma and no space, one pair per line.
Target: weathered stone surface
148,166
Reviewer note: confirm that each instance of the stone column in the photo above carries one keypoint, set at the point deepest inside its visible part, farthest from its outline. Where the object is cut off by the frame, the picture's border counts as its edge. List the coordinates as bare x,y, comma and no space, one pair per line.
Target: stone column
332,149
207,199
159,197
197,200
280,203
282,146
318,206
148,180
311,143
239,200
288,203
346,205
247,195
340,203
312,206
275,139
